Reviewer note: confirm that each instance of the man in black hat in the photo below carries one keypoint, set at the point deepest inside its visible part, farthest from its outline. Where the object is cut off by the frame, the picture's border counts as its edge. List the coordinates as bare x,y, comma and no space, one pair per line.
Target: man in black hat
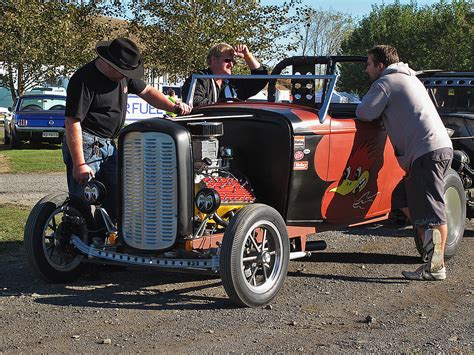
96,106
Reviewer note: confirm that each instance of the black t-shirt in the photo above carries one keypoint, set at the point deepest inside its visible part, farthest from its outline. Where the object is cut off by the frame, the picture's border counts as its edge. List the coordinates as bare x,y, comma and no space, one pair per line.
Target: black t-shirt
100,103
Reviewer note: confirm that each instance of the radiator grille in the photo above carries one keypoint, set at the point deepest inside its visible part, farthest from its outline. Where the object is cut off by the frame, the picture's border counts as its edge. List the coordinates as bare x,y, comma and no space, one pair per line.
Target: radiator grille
149,205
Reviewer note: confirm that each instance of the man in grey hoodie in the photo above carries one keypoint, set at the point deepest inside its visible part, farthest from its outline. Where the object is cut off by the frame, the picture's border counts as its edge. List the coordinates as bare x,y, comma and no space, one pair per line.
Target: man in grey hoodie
422,146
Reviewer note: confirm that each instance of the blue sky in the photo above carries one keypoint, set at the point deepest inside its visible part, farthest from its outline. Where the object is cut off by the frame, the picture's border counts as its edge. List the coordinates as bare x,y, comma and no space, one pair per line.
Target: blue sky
356,8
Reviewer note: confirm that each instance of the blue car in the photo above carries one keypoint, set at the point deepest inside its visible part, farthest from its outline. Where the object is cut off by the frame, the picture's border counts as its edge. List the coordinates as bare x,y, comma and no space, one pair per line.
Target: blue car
36,118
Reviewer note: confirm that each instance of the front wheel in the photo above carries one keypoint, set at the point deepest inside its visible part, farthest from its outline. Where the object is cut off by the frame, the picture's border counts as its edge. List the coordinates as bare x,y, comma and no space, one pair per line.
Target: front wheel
455,201
254,255
47,239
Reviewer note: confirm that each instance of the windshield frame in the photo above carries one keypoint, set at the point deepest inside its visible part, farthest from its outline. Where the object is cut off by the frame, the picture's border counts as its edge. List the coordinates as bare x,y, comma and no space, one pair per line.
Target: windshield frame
331,78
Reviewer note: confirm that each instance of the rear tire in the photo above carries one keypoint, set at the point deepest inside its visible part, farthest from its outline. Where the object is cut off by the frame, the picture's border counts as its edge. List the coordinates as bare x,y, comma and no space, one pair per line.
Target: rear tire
47,239
15,142
254,255
455,199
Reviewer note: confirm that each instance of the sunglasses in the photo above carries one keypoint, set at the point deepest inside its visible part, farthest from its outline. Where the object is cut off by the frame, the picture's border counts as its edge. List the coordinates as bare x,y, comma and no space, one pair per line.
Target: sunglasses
230,60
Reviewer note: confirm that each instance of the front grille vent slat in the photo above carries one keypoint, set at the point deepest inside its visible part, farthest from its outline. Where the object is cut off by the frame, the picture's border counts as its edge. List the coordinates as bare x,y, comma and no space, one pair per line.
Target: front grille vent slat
149,206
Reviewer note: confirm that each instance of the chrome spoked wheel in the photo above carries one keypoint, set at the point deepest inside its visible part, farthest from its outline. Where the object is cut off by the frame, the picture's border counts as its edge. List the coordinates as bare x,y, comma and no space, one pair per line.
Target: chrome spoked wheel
254,255
262,256
47,239
57,248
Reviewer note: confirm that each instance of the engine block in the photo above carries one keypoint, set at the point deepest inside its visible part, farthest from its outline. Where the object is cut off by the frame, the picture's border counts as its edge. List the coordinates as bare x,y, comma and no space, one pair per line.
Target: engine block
231,190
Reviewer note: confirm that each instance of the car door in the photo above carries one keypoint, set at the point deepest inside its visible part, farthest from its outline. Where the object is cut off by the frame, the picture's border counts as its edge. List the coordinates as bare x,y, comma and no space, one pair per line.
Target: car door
362,171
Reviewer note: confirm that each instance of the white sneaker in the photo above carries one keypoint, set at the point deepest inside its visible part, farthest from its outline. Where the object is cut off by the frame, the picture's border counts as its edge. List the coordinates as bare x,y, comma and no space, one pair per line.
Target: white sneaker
424,273
433,252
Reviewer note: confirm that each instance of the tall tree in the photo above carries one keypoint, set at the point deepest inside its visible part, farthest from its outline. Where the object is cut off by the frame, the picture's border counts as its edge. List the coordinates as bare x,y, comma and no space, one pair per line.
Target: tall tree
320,32
176,35
42,40
439,36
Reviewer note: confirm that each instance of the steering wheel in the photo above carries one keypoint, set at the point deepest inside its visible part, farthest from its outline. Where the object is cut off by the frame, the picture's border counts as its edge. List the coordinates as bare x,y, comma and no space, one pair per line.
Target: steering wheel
32,108
57,107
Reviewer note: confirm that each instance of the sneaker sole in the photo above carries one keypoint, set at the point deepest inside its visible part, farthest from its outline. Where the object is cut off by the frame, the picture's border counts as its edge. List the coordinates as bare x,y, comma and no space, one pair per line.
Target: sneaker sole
437,259
424,276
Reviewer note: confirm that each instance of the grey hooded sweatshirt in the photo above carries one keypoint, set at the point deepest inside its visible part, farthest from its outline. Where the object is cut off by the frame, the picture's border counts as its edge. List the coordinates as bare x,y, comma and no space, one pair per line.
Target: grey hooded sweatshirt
411,119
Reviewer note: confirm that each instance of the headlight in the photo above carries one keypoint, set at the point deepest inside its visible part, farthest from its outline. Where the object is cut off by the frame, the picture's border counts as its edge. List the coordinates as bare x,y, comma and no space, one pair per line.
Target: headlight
208,200
94,192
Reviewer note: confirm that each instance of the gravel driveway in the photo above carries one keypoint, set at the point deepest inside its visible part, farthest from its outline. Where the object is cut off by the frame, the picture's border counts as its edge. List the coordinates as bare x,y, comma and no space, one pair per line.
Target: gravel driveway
348,298
27,189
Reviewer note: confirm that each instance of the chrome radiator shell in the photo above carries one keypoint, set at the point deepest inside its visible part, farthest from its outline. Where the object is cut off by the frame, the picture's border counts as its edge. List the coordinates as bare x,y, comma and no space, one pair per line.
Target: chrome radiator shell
149,190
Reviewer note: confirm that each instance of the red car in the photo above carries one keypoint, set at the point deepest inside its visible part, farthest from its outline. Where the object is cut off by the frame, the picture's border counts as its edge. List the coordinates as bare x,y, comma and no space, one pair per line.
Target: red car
233,189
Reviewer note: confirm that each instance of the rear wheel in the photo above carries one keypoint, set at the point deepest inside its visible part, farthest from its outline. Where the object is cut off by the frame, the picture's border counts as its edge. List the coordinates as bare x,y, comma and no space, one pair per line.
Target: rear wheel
15,142
254,255
47,239
455,200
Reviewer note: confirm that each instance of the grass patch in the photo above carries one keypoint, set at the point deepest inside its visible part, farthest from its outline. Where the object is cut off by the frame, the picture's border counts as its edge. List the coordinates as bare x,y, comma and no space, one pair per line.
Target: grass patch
35,160
32,160
12,227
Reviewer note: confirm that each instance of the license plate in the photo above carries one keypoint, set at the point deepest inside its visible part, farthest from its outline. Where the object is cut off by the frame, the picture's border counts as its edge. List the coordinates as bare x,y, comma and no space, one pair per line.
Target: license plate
50,134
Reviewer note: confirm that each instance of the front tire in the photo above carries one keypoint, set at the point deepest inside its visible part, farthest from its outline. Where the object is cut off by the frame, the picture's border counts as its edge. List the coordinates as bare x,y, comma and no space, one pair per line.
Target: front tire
455,200
254,255
47,239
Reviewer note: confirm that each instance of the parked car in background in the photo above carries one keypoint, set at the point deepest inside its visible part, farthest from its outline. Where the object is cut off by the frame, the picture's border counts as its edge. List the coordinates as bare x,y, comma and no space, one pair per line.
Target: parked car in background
36,118
54,90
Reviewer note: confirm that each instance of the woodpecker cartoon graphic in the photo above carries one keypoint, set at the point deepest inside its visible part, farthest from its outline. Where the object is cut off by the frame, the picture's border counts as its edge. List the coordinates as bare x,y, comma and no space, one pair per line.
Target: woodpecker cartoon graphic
356,174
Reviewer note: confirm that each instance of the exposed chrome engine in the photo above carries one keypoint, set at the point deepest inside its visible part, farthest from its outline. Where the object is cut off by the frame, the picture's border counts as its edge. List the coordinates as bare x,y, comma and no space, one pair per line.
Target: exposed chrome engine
220,192
150,179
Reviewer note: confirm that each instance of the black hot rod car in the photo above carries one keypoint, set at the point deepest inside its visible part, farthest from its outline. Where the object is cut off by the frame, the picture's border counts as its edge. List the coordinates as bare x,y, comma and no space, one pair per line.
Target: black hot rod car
234,189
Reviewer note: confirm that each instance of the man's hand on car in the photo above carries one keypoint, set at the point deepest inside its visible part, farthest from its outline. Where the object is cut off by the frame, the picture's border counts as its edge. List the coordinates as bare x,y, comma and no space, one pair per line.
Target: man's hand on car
182,109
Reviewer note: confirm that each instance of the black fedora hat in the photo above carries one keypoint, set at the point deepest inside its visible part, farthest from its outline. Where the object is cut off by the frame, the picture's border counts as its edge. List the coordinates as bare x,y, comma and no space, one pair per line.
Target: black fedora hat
123,55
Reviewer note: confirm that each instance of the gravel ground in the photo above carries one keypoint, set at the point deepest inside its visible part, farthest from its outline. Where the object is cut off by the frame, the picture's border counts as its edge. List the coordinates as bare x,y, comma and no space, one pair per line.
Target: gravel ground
348,298
27,189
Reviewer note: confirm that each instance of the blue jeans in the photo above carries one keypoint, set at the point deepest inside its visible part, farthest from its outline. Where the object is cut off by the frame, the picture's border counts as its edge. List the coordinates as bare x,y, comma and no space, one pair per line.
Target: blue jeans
101,156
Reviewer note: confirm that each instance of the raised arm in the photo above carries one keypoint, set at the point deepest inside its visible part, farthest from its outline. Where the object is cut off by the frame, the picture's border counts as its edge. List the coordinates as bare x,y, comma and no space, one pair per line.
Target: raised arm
242,51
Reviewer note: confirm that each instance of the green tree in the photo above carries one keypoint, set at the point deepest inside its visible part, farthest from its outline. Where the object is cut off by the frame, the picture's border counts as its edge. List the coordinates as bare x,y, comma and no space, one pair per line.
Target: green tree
176,35
439,36
42,40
